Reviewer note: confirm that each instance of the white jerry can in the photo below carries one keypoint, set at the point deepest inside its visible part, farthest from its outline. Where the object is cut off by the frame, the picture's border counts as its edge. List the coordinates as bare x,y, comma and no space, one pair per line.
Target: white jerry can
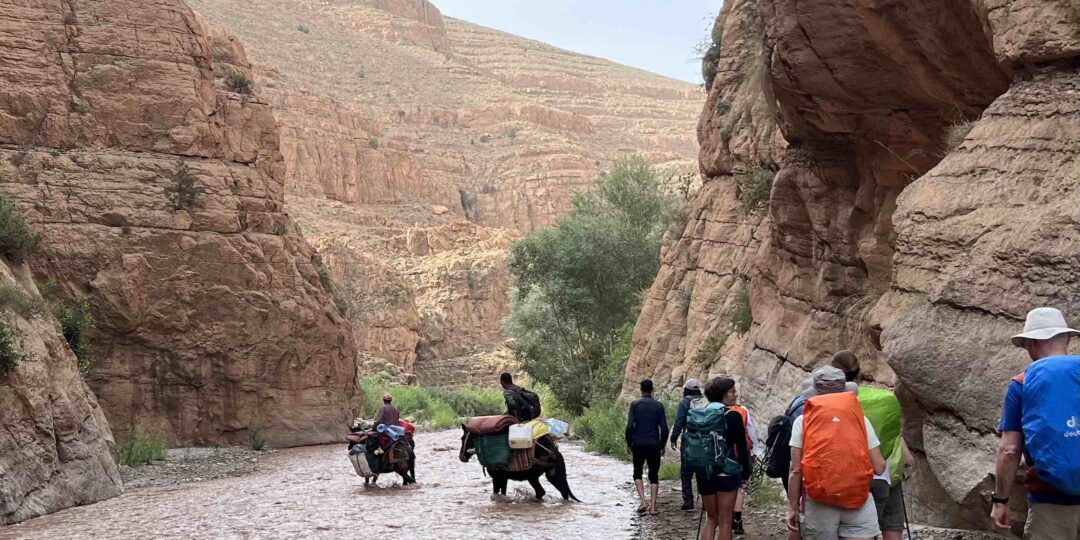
360,463
521,436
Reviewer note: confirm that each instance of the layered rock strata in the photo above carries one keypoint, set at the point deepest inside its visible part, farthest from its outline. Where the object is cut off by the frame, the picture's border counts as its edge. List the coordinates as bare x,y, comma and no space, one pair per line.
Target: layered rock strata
399,123
131,136
887,230
56,449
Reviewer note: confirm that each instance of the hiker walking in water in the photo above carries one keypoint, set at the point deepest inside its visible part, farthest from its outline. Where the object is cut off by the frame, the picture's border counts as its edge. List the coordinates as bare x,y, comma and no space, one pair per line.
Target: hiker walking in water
1040,419
834,456
881,407
388,414
715,447
731,400
520,403
646,432
691,397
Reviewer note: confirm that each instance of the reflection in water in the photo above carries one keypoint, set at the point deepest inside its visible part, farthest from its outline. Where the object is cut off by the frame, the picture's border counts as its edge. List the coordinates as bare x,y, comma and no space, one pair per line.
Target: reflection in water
313,492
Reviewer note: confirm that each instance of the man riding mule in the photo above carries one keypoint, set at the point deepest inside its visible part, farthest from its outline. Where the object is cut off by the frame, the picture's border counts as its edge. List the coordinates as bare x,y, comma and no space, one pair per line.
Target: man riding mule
487,438
373,452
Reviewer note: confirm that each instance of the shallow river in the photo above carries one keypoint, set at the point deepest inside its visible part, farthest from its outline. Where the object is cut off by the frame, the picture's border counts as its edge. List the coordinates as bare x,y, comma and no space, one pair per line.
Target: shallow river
313,492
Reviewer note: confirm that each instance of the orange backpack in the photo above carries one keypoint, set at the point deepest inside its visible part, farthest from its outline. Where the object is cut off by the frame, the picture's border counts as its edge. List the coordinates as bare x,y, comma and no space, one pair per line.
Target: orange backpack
836,461
745,414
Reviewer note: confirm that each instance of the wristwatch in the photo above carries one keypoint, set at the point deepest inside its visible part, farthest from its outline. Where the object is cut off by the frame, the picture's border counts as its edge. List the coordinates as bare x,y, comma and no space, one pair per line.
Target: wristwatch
998,500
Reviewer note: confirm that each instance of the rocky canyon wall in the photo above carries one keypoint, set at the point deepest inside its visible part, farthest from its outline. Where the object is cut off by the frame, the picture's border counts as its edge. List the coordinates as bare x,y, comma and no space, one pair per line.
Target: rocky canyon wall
56,449
418,147
883,232
156,179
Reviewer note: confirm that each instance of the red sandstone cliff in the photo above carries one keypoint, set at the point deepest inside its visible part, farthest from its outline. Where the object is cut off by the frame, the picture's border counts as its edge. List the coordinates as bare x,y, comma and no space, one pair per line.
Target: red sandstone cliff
399,125
880,233
159,191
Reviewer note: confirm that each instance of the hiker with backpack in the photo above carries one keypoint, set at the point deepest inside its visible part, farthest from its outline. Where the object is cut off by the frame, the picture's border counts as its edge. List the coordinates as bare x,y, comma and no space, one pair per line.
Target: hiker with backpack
646,432
520,403
881,407
1041,420
714,447
692,398
731,399
835,454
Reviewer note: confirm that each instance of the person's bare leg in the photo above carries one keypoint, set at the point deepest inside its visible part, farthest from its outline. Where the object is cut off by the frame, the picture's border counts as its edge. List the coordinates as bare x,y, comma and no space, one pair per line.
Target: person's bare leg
654,492
708,531
740,499
725,510
640,493
892,535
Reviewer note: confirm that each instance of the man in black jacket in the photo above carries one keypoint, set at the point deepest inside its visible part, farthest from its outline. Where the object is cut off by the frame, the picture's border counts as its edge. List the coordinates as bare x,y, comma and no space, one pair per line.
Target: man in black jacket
646,433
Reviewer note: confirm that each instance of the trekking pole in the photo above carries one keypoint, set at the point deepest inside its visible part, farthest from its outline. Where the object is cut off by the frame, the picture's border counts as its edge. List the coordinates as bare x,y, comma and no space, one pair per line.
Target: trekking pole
702,516
903,503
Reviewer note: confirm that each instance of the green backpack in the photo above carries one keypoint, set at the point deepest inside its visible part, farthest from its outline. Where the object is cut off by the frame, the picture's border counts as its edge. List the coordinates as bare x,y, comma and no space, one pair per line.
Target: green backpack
883,411
704,449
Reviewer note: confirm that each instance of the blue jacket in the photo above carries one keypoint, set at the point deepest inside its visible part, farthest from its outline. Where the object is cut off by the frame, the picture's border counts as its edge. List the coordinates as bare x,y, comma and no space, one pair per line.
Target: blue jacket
680,414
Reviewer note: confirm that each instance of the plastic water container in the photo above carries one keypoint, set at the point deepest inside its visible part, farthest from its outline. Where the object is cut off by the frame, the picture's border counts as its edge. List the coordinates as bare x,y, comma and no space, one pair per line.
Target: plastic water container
558,427
521,436
394,432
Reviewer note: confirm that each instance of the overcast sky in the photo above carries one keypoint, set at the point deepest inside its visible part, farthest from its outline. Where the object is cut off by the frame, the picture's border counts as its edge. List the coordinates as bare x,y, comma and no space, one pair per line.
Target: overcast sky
655,35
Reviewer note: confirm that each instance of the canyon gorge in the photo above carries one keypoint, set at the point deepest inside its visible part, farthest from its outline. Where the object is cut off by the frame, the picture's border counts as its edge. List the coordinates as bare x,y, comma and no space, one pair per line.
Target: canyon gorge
263,201
924,159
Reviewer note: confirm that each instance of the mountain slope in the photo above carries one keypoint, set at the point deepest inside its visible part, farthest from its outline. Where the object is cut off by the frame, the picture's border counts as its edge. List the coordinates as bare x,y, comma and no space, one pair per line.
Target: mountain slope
400,125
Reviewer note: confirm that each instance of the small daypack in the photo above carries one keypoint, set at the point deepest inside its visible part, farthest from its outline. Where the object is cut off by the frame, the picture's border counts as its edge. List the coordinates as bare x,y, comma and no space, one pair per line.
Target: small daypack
530,405
704,449
778,442
1051,420
836,461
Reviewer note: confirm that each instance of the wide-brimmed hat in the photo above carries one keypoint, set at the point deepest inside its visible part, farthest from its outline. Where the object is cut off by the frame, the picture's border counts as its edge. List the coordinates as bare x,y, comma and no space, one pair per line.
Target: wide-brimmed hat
691,384
1041,324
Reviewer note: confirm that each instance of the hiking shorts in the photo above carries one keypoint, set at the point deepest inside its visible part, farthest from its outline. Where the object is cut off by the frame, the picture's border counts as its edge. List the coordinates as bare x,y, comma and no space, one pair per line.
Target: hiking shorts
824,522
1052,522
712,486
650,454
889,501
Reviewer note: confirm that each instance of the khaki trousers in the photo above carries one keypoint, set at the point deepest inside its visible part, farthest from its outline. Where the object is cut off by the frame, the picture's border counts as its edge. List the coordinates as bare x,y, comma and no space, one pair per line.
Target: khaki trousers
1052,522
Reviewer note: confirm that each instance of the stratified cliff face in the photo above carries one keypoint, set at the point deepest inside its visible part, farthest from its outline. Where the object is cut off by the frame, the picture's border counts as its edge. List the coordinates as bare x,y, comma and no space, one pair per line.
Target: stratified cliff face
880,234
159,189
399,124
990,233
56,449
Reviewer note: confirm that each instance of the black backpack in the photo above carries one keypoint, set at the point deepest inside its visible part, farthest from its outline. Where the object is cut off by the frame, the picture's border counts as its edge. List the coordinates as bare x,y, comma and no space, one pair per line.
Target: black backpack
528,404
778,444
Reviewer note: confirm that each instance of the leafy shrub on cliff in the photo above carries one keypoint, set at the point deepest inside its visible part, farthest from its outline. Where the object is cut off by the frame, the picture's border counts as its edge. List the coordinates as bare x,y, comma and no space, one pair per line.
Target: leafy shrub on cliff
76,322
743,316
374,143
303,29
10,353
709,348
956,134
16,239
140,448
755,186
576,283
239,83
15,299
182,194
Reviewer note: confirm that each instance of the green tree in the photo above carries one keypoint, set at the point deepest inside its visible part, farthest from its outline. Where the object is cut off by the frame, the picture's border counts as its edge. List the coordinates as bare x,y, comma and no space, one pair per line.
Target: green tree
577,283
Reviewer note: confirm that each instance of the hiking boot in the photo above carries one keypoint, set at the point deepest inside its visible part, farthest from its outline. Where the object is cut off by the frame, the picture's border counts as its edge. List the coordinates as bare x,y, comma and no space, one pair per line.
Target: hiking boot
737,528
687,506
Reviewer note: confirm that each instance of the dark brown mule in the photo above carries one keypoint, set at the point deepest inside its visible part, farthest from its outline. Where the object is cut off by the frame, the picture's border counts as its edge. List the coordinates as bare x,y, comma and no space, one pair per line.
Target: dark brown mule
548,461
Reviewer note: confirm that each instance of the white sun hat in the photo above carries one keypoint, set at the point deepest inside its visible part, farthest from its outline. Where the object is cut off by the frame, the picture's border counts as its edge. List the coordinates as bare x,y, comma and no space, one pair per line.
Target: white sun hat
1043,323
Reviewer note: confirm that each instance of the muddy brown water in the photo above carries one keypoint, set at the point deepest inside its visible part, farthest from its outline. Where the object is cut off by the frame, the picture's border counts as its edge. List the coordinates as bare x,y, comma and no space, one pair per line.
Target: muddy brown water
312,492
